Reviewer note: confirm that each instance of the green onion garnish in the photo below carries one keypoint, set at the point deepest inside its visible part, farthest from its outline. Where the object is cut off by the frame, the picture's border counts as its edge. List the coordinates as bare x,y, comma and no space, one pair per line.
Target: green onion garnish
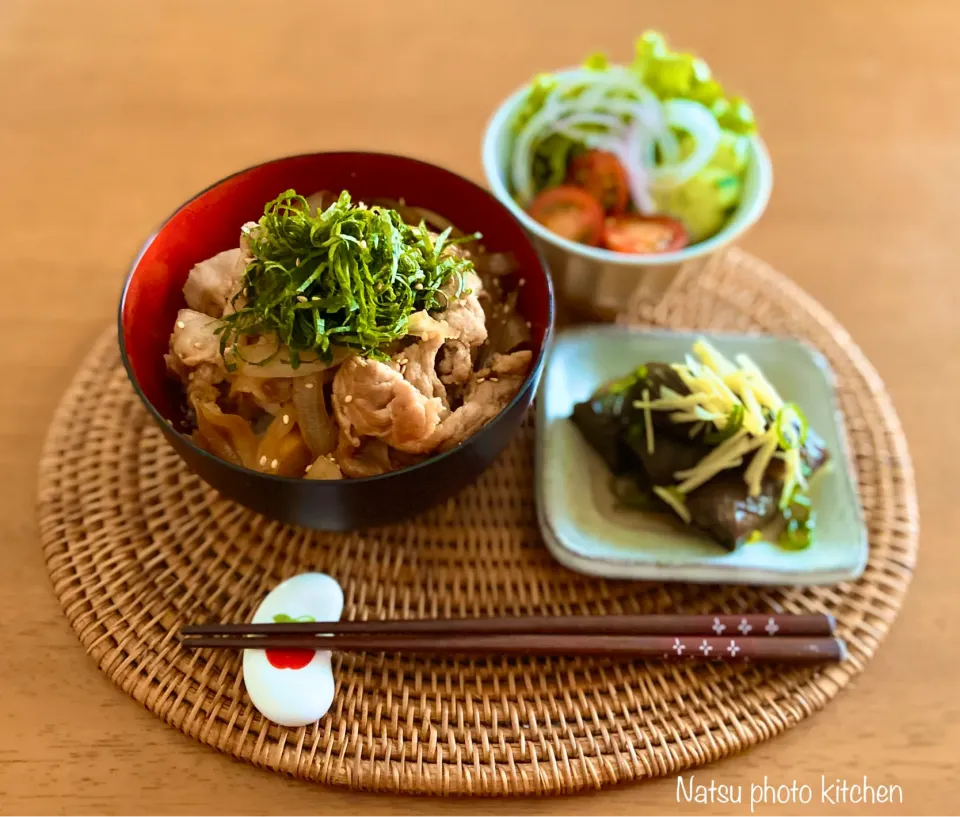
621,386
801,522
349,276
626,382
791,426
733,425
798,535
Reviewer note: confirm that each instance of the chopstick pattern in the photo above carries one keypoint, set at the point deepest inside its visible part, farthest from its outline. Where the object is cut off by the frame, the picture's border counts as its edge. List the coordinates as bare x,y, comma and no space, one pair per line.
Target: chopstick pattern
792,639
787,650
718,625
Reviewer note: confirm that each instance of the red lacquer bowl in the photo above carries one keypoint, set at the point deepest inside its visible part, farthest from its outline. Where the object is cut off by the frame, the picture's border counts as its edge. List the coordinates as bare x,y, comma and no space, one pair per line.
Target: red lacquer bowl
211,221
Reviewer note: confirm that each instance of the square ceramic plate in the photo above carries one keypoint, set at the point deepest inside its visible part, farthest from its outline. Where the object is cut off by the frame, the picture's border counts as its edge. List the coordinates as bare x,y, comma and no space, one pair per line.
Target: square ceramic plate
585,530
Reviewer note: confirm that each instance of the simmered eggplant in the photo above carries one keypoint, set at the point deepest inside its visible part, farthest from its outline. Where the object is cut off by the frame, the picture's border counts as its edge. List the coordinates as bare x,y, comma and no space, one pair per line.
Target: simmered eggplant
719,447
601,424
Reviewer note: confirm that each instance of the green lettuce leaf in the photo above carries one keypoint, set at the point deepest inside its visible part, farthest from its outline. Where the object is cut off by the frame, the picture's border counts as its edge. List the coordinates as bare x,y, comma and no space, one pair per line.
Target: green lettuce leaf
551,159
542,86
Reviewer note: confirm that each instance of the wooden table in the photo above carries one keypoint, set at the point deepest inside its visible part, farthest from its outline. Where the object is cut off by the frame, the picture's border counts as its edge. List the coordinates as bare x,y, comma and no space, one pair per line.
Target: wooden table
114,112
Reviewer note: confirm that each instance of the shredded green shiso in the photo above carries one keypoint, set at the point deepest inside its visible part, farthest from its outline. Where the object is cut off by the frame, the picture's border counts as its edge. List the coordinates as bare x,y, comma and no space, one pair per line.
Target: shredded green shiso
348,276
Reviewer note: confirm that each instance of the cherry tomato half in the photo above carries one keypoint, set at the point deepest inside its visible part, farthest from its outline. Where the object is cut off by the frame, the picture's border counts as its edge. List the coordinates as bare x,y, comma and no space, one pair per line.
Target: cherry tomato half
603,177
644,234
569,212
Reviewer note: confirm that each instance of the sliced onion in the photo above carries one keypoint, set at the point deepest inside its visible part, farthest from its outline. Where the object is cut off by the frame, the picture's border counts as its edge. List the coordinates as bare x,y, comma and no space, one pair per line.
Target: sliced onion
597,83
634,144
630,153
638,180
282,368
249,361
414,215
276,431
282,449
324,468
594,87
701,124
652,118
418,214
319,429
292,456
321,200
565,124
227,436
669,146
521,165
650,131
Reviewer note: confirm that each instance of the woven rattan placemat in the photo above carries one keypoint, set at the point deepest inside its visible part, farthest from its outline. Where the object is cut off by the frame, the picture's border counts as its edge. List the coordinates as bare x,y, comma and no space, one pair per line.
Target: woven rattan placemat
136,545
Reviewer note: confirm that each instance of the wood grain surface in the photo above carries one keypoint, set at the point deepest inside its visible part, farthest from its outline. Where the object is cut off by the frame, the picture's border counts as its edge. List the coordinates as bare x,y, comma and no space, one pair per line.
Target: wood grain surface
112,113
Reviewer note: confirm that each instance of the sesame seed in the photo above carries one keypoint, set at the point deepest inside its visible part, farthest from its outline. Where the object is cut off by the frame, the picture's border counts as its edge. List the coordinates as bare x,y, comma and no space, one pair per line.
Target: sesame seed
263,460
286,419
529,324
403,361
307,469
403,202
348,398
521,282
308,385
481,379
302,298
296,263
361,205
197,344
181,325
315,298
363,243
494,379
274,464
418,286
506,308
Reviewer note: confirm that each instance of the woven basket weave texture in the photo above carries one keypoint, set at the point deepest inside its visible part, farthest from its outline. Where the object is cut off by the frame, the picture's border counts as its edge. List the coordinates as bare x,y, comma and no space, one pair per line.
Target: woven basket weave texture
136,545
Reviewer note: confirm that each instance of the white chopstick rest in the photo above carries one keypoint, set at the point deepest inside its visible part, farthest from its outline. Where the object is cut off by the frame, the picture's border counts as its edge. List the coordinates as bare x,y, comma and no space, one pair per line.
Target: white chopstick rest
294,687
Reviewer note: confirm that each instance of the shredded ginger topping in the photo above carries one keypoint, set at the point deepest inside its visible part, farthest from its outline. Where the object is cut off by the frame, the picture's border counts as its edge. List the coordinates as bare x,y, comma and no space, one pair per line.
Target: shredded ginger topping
746,415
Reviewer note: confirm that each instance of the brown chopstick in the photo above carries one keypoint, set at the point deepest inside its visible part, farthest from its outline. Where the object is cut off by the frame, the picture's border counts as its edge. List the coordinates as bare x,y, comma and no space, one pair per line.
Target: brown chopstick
752,624
792,650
